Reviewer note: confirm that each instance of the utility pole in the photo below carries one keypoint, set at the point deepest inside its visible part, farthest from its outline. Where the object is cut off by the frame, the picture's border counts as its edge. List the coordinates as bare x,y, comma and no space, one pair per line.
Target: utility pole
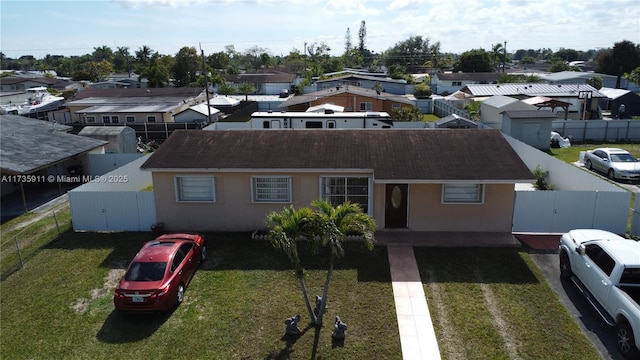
304,55
206,83
504,57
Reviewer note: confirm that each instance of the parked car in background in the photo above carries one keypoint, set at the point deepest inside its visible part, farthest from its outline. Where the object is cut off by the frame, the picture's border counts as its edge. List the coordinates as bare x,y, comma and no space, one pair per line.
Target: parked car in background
615,163
606,268
159,274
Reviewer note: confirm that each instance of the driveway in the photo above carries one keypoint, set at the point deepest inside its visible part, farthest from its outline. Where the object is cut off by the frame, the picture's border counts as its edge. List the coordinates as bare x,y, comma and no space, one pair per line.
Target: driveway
599,333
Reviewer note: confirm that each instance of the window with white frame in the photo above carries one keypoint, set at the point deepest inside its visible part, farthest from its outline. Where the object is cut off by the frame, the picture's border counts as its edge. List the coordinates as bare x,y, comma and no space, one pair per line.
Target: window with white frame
338,190
456,83
366,106
271,189
195,188
463,193
106,119
395,106
151,118
115,119
130,118
90,119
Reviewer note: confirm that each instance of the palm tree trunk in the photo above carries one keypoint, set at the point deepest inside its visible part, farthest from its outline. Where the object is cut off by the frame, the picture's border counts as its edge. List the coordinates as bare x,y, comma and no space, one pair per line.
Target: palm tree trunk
325,291
305,294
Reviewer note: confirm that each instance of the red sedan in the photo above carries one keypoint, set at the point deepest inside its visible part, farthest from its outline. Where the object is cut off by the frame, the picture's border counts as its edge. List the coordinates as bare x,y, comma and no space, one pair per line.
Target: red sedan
159,273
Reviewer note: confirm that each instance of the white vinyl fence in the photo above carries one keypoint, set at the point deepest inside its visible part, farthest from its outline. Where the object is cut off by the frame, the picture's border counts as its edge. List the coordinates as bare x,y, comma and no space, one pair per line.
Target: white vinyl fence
598,130
115,202
579,199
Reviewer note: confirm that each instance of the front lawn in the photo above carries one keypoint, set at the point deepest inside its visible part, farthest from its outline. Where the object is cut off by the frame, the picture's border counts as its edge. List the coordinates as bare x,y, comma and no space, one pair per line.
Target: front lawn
496,304
60,305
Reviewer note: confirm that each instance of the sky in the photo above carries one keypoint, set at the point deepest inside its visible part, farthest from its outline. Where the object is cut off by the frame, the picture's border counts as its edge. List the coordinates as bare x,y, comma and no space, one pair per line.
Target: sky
38,28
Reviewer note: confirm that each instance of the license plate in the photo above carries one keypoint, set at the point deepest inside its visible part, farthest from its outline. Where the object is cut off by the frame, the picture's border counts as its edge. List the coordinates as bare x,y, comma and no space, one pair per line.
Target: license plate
138,299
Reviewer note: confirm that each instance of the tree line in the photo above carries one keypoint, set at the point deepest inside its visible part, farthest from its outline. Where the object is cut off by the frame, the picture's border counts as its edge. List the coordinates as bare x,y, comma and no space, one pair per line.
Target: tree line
417,54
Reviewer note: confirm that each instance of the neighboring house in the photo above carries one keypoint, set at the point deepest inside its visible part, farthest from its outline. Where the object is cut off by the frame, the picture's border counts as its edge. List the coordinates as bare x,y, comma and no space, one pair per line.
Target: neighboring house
449,83
578,77
33,150
122,139
351,98
532,127
19,83
417,180
388,85
454,121
132,106
617,97
110,84
267,83
492,108
583,98
200,113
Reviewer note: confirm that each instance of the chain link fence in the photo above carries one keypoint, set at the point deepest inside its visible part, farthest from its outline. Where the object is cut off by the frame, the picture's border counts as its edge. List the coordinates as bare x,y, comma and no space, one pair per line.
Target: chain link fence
21,240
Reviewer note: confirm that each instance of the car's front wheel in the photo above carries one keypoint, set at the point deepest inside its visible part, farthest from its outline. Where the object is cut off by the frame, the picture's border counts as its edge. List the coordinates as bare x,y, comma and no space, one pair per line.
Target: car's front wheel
565,266
180,296
625,340
611,174
203,256
588,165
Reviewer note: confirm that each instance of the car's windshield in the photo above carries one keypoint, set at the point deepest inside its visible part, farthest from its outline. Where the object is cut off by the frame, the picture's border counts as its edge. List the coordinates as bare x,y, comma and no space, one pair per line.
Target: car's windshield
146,271
623,158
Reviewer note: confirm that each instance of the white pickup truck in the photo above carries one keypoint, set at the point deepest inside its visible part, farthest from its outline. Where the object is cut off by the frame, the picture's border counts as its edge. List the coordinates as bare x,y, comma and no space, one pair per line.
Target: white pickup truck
606,268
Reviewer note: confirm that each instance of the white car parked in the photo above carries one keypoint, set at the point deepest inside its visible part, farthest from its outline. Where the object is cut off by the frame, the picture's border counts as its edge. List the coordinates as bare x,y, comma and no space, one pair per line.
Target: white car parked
615,163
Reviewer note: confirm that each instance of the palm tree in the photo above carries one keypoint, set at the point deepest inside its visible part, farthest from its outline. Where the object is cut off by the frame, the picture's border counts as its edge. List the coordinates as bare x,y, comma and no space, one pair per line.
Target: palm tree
337,223
286,229
326,227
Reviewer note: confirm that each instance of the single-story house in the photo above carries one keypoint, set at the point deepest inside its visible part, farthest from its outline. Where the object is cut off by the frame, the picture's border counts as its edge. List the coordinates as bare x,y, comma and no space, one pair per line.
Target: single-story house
388,85
583,98
200,113
439,180
492,108
132,106
580,77
351,98
266,83
448,83
617,97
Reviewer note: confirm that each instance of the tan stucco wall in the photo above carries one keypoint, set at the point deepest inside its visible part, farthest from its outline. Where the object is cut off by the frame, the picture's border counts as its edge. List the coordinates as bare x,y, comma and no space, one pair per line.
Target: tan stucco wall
428,213
234,211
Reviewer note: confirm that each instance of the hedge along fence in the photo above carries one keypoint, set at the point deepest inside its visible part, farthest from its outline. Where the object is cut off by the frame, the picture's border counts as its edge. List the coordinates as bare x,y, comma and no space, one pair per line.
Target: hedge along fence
20,243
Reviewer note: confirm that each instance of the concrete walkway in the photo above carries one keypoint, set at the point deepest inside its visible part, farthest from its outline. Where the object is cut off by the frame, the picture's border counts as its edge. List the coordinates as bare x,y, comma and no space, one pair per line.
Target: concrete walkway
417,337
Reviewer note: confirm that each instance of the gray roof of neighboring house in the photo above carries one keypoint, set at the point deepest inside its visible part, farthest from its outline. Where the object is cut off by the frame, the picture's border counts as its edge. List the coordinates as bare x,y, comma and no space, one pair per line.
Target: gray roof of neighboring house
613,93
499,101
572,75
104,130
471,76
27,145
112,109
262,78
418,156
458,120
201,109
171,92
316,95
7,80
530,114
363,77
531,89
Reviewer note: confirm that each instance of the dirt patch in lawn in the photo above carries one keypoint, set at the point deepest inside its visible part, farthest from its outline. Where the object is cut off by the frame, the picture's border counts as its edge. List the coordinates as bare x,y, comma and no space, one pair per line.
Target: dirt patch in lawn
110,281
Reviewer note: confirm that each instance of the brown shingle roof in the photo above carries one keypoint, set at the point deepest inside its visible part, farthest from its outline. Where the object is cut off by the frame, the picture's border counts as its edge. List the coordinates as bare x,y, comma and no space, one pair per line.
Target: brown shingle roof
412,155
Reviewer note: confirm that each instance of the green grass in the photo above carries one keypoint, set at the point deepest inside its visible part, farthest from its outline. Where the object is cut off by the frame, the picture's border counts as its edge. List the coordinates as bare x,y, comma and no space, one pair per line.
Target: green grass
29,238
496,305
234,308
572,154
